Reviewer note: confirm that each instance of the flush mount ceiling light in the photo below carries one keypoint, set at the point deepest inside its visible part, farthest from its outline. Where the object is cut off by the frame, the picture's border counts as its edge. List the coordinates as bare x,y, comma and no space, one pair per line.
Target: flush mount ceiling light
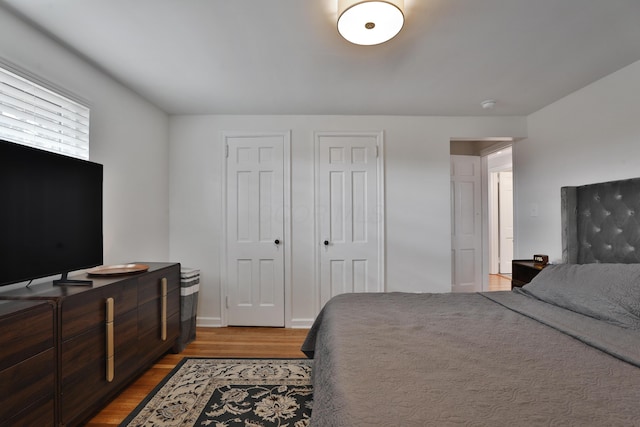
370,22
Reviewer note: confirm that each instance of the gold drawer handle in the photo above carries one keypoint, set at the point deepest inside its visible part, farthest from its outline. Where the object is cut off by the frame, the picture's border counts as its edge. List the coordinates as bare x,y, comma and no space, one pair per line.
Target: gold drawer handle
163,333
109,333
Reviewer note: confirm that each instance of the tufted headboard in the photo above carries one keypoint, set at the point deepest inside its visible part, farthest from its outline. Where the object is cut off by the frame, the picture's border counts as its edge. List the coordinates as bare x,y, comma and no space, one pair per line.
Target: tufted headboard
601,222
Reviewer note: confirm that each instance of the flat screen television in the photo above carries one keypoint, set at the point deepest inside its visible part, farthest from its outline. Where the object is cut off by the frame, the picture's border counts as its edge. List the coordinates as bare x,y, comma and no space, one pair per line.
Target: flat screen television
50,214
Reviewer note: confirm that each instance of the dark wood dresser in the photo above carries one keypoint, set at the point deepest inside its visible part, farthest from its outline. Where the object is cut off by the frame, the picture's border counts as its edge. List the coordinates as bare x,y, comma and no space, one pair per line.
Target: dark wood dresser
523,271
104,336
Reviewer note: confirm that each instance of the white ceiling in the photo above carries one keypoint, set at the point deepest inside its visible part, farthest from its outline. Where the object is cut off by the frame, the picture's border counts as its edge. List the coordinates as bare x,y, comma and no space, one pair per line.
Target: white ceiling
286,57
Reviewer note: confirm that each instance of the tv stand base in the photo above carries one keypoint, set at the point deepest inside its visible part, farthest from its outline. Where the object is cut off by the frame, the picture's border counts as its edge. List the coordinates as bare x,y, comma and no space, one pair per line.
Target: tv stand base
62,282
72,282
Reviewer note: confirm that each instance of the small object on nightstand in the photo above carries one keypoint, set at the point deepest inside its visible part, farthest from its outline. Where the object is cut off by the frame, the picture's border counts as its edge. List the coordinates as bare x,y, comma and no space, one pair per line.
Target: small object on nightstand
523,271
541,260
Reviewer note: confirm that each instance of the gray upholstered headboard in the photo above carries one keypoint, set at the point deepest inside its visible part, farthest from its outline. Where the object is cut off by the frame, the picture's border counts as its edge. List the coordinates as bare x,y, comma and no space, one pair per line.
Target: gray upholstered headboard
601,222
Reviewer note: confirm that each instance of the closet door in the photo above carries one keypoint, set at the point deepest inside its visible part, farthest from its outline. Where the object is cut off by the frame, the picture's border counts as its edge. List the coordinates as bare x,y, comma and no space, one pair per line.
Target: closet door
349,213
255,242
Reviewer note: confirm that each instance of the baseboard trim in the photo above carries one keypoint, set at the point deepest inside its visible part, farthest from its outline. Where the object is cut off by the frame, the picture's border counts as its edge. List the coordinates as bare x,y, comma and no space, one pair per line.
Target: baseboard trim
216,322
209,322
301,323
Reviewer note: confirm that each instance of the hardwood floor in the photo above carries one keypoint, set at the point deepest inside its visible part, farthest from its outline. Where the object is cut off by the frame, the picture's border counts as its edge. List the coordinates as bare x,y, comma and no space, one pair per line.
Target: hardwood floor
210,342
499,282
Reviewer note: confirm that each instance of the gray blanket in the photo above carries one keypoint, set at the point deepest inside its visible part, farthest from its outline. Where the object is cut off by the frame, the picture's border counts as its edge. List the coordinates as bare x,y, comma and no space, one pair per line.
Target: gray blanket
400,359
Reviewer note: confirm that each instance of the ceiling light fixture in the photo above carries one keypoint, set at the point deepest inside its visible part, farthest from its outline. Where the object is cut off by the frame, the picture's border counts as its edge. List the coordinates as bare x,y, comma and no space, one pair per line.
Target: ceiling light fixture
370,22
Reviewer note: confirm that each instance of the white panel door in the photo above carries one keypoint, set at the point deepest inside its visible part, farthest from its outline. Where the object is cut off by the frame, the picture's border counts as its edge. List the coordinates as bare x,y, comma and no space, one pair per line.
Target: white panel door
505,194
349,210
255,230
466,232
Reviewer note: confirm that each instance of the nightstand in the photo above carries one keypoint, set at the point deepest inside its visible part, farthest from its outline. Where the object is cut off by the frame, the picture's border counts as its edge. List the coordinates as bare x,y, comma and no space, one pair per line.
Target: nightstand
523,271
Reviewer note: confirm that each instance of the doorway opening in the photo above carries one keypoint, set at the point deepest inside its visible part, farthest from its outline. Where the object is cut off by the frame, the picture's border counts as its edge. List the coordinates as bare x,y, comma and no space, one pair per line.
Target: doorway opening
500,217
497,193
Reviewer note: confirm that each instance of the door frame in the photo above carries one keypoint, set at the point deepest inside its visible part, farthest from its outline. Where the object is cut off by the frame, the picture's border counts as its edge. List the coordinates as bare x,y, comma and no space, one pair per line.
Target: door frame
286,214
486,238
380,179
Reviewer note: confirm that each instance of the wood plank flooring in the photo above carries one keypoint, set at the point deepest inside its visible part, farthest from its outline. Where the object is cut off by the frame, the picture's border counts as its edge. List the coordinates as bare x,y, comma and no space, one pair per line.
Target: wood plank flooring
498,282
210,342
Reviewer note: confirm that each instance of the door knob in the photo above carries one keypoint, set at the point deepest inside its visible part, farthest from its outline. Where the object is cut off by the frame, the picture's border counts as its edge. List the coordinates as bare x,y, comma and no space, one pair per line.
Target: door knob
277,242
326,243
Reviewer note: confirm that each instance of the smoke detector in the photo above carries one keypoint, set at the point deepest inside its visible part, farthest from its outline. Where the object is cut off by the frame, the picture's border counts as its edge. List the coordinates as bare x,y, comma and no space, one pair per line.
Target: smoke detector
488,104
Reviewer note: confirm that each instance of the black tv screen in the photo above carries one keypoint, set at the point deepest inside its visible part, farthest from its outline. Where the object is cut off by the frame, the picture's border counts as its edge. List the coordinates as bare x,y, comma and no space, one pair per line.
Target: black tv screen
50,213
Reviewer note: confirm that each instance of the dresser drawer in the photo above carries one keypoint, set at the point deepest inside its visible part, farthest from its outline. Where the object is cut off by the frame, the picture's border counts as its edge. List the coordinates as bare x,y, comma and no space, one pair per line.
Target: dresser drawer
87,310
84,365
27,329
27,363
25,382
149,285
150,344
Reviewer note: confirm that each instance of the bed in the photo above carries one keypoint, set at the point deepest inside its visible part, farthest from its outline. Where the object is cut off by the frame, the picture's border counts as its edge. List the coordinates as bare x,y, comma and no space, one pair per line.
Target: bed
562,350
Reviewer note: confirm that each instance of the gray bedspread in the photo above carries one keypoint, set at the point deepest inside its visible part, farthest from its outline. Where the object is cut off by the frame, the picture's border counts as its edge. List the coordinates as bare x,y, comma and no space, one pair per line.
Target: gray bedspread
398,359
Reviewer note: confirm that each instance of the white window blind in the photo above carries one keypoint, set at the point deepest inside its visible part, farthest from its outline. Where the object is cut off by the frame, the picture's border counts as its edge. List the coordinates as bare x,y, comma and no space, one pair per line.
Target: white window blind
33,115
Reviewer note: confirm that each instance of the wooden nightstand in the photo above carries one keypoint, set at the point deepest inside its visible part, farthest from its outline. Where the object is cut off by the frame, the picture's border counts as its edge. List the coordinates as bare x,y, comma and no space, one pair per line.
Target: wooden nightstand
523,271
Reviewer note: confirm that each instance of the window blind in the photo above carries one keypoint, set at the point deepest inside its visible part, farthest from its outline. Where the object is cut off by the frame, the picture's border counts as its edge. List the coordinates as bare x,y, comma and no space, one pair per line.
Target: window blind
33,115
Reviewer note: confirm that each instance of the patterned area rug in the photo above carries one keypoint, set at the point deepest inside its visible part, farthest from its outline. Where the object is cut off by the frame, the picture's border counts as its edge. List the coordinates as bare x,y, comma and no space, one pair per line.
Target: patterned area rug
229,392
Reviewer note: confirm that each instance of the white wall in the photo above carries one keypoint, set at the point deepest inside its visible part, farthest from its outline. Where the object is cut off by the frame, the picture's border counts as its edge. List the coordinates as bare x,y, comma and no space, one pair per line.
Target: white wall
129,137
592,135
418,234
